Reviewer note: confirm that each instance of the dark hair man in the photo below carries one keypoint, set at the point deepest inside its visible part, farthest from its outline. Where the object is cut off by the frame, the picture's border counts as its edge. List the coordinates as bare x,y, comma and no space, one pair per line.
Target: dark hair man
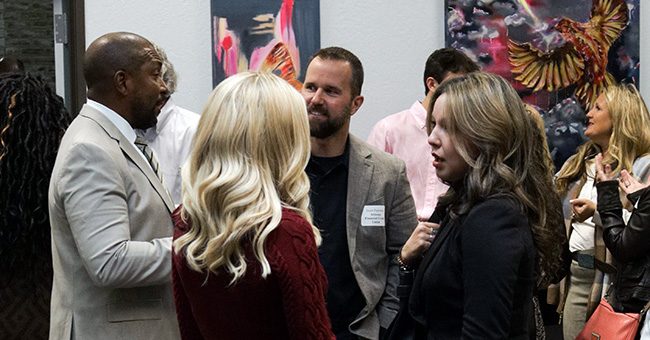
360,200
404,134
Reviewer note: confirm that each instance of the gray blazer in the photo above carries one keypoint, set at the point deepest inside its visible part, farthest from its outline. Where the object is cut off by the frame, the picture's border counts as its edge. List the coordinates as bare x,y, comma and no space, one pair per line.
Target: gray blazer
377,179
111,238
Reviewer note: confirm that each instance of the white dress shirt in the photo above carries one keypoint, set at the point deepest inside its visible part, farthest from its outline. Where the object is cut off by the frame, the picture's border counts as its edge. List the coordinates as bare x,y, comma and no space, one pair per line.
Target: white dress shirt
171,139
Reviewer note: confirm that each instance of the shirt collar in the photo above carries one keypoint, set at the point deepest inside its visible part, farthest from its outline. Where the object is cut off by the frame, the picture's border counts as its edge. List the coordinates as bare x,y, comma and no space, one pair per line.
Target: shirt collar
117,120
345,157
165,114
420,114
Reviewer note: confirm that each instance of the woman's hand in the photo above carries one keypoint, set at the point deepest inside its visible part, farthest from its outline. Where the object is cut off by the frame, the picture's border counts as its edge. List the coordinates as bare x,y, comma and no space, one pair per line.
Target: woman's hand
629,184
419,242
582,208
603,171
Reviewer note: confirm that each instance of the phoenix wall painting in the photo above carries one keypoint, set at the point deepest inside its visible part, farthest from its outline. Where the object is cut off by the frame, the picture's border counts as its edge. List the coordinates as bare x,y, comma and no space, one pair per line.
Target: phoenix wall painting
558,54
272,35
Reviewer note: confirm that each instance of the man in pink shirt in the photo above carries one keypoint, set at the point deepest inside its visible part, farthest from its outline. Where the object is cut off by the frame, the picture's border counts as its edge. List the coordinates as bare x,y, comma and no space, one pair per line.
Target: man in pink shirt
404,134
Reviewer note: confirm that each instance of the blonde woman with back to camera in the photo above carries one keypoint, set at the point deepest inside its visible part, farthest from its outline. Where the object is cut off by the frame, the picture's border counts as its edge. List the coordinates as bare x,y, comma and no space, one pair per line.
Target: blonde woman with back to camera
617,127
245,262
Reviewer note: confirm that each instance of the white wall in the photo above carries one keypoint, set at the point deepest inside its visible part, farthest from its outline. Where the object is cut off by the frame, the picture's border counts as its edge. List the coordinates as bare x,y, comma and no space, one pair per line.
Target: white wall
644,52
393,44
392,39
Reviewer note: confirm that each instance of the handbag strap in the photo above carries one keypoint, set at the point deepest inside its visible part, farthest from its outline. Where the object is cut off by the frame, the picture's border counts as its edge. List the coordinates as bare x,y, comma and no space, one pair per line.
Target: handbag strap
645,308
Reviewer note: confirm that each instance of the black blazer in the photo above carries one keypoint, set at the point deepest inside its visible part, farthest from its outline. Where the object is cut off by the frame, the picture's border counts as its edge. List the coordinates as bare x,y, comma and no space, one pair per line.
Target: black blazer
630,245
476,281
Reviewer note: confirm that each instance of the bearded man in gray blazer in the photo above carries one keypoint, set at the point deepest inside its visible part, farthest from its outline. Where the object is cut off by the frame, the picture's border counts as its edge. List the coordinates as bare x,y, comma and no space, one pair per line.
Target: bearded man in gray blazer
360,199
110,214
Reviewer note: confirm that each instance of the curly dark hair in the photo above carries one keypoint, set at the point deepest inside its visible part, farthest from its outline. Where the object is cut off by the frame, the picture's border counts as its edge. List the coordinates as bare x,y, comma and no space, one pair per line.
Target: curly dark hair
32,122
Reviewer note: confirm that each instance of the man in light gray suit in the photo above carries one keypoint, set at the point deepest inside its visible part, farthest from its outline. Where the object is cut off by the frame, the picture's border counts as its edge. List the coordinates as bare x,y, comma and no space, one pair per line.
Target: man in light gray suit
360,199
110,214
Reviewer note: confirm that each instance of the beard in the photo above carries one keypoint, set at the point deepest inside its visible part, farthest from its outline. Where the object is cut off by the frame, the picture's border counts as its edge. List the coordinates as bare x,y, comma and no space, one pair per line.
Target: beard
147,113
330,126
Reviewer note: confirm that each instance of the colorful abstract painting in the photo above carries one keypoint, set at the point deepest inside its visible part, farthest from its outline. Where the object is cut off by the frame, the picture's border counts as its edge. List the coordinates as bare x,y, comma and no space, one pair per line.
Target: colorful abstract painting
271,35
558,54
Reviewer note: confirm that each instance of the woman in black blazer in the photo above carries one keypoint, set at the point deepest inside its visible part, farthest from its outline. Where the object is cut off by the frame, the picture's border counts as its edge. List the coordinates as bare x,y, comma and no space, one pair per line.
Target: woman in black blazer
494,243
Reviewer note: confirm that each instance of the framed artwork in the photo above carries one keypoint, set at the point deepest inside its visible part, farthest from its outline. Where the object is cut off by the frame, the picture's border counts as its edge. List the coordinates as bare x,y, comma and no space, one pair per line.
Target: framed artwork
272,35
559,55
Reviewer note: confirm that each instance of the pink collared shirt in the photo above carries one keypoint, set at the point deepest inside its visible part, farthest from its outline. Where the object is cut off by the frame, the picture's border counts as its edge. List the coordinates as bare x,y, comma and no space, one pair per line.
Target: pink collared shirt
404,134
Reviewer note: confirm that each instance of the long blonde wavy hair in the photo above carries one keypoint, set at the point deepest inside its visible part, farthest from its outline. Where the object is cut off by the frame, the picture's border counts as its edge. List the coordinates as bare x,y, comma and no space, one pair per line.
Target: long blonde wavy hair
630,137
506,154
250,151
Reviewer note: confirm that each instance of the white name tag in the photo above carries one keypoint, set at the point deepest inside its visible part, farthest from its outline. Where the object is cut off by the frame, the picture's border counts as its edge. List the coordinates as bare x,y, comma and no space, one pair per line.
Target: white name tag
373,215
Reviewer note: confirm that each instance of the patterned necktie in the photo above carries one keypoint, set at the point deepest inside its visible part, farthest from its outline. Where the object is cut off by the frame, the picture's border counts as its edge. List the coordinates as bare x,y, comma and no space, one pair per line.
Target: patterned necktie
149,155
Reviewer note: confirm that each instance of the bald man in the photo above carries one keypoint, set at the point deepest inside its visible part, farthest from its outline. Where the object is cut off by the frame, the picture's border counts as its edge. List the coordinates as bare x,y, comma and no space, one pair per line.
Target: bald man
109,212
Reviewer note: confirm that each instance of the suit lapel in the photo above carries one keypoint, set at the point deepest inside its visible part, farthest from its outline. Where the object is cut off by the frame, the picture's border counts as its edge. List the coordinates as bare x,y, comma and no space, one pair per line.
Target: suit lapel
130,152
361,168
133,154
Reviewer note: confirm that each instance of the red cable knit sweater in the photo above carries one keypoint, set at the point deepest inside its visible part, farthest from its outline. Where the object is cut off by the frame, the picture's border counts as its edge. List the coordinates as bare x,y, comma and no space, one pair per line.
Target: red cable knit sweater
288,304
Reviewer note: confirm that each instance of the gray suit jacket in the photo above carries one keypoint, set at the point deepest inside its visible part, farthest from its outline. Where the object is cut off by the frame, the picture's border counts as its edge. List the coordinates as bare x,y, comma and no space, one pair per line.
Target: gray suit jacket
377,179
111,238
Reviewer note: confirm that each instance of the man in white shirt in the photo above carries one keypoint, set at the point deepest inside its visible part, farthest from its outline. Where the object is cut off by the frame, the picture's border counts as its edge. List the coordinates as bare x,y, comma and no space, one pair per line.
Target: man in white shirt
404,134
171,138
